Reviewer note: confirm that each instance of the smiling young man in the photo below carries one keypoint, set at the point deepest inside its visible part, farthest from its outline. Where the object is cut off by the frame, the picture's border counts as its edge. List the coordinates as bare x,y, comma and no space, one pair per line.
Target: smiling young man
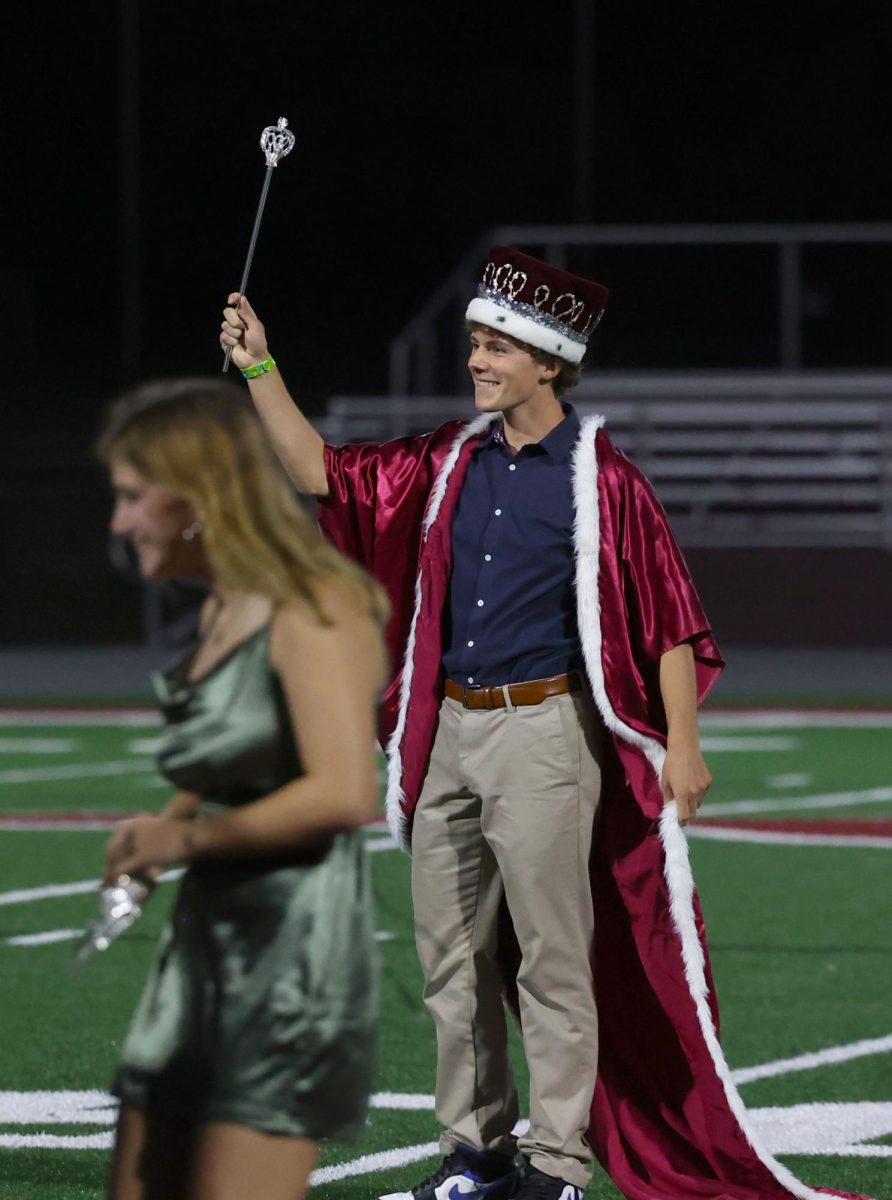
543,751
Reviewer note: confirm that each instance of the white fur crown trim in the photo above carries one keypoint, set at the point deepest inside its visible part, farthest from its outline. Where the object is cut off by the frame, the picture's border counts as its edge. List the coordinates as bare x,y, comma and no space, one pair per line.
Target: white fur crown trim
501,318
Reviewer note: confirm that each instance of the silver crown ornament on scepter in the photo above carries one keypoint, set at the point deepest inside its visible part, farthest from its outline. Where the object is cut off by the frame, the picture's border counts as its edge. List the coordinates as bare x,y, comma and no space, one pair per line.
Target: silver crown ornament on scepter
276,141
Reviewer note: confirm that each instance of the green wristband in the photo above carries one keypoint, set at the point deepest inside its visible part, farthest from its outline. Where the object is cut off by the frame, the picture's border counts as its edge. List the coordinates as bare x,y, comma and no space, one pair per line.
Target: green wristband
260,368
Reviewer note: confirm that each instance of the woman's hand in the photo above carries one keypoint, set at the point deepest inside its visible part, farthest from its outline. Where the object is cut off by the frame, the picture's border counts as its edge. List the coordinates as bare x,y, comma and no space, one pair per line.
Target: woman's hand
144,844
243,332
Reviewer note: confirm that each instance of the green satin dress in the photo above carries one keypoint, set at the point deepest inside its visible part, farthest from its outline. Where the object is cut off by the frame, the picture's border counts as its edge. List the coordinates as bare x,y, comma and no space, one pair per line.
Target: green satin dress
261,1007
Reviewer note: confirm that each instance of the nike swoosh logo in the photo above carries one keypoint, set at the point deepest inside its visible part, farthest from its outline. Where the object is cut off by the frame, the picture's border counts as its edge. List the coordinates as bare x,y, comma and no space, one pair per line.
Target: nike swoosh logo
465,1186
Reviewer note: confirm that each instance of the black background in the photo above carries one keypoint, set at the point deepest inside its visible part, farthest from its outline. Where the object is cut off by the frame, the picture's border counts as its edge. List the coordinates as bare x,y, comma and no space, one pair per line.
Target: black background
419,127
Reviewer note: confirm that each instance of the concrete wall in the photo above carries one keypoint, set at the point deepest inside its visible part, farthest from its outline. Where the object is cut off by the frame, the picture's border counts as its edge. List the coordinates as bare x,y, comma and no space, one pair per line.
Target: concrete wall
796,597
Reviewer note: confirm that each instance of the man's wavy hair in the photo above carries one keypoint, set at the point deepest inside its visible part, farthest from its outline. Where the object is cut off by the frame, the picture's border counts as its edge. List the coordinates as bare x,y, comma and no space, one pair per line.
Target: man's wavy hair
569,373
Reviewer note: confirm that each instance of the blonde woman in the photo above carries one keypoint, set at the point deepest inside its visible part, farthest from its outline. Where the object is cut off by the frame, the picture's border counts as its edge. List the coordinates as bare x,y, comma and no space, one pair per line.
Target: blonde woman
254,1035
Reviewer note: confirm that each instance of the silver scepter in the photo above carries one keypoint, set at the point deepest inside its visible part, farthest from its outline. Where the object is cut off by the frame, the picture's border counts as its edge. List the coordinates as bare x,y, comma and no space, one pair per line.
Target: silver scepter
120,903
276,141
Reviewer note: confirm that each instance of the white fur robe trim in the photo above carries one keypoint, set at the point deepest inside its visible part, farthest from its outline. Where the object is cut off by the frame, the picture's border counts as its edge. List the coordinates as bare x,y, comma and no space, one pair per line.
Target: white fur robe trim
677,870
396,819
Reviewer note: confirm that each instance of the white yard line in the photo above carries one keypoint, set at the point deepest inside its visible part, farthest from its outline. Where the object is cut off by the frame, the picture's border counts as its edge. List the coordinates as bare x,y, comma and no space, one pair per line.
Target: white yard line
816,1058
44,939
369,1164
53,890
144,745
376,844
51,936
714,744
818,1129
406,1101
57,1141
770,838
841,1130
792,779
49,892
37,745
65,1107
127,766
784,718
877,795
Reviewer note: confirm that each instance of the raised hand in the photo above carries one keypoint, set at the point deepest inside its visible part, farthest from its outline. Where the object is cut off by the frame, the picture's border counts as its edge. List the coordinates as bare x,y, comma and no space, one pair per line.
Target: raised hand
243,332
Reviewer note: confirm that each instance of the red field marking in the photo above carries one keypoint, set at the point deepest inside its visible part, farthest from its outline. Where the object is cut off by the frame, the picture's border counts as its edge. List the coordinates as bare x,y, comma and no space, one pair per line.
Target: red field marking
79,716
45,820
881,827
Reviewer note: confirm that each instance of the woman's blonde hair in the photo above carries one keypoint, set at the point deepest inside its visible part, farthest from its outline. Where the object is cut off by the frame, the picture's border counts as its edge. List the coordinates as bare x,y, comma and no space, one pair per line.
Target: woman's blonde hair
202,439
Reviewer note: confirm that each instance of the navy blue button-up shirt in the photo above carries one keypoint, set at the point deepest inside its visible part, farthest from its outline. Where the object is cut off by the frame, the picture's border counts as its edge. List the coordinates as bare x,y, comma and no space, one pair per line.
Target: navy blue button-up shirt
512,612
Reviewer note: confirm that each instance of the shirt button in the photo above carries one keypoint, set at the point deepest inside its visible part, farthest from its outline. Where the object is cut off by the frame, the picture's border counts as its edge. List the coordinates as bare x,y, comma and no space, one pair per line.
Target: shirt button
470,679
471,642
498,512
480,604
512,467
487,558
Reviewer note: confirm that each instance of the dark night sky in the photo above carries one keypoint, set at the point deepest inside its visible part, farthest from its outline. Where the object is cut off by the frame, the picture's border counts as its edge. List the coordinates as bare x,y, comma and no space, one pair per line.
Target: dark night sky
419,127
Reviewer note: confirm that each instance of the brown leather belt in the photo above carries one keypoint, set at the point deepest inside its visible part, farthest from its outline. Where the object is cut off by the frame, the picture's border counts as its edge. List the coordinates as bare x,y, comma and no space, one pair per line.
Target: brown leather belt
532,691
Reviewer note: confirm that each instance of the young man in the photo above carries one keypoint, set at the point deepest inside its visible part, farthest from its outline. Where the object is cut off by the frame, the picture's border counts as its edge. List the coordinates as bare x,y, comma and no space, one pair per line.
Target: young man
543,750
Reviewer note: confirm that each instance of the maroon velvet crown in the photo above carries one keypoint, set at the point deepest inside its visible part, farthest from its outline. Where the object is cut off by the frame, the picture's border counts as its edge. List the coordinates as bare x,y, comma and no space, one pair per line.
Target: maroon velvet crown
538,303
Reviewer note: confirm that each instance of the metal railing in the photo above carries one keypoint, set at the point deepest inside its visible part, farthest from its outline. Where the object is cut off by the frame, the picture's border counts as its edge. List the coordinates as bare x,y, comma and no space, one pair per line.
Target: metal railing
428,354
763,459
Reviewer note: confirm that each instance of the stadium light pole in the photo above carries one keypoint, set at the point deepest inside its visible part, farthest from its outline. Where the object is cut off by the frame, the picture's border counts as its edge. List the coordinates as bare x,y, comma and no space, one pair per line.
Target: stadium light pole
130,249
583,108
128,180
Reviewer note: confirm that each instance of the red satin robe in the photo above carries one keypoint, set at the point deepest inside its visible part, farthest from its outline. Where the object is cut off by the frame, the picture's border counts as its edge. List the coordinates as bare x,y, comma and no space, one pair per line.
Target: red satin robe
666,1120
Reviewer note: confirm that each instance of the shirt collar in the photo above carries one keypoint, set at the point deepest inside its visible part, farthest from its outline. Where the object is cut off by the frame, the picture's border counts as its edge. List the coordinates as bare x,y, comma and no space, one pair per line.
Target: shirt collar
558,444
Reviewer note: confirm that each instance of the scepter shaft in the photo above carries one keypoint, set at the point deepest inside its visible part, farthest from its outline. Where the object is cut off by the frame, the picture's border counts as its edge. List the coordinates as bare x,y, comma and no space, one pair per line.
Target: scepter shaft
250,256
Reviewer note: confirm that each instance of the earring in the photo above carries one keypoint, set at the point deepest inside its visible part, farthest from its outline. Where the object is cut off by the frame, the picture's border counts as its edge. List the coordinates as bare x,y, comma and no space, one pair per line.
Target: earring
192,531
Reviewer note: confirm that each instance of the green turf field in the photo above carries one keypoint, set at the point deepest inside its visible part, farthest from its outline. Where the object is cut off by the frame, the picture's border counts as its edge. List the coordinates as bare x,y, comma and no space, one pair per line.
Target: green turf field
800,930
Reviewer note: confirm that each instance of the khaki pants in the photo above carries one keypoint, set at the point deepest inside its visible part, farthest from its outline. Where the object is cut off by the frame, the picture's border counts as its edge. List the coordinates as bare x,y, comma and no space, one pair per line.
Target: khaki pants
508,807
